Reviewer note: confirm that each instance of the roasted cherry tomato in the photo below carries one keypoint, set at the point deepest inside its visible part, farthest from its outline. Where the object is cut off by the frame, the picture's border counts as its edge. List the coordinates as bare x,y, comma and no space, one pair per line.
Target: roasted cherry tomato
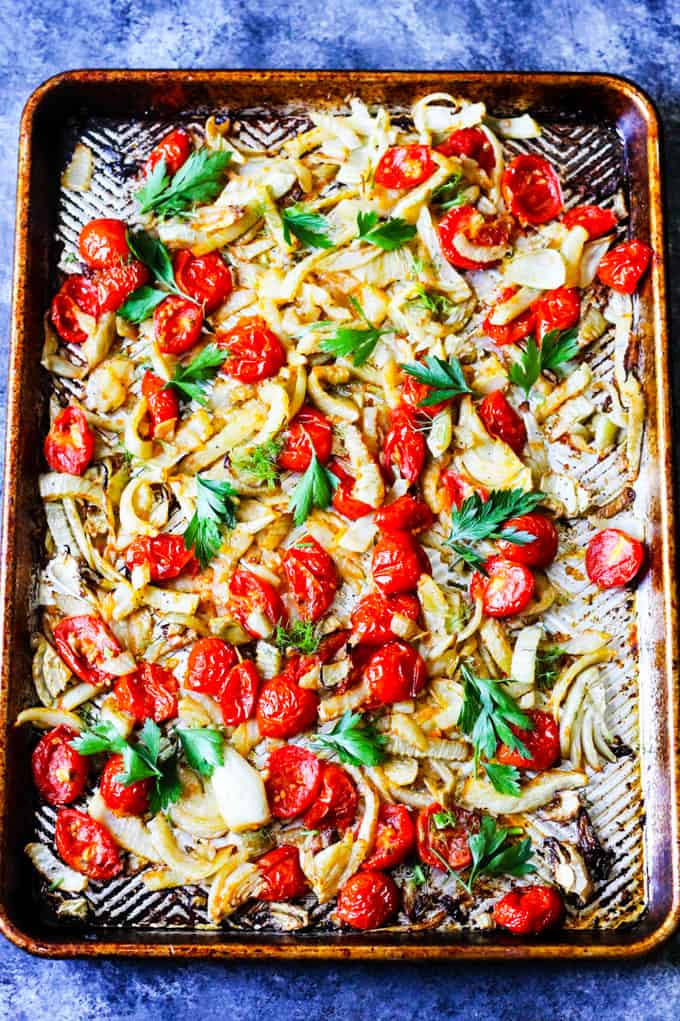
205,278
284,709
76,295
397,563
343,501
163,405
557,310
336,801
59,771
594,219
502,421
406,514
405,445
281,874
293,782
252,599
541,550
506,589
85,643
373,616
69,445
130,800
532,190
103,242
514,331
395,672
470,142
622,267
444,845
529,910
542,742
254,352
368,900
413,392
166,556
457,488
467,224
405,166
173,149
311,577
309,430
85,845
150,692
209,665
116,282
613,558
177,324
395,838
239,693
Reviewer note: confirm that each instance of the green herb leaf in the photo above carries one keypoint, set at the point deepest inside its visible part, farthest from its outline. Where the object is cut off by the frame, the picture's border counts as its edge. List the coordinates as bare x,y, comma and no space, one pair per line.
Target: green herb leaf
199,179
155,256
150,740
190,380
438,305
310,228
418,877
449,194
557,347
203,749
102,737
388,235
214,508
494,855
359,344
139,305
547,666
136,766
259,464
167,790
505,779
300,635
155,182
476,520
444,819
354,740
315,489
445,378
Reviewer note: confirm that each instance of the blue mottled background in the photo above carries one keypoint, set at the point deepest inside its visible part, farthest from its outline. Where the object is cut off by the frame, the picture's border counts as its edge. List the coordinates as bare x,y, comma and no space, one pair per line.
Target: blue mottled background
637,38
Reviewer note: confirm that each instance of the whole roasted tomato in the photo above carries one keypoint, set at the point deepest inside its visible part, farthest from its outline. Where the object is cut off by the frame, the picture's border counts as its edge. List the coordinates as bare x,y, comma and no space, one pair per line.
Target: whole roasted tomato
177,324
470,142
405,445
373,617
458,488
163,405
85,845
238,696
406,514
557,310
529,910
69,445
502,421
513,331
395,672
368,900
166,556
395,838
465,225
596,220
103,242
293,782
116,282
506,589
624,266
542,742
205,278
540,550
85,643
613,558
209,665
59,771
281,874
309,431
532,190
150,693
255,603
77,295
442,836
405,166
254,352
336,801
343,501
130,800
284,709
311,577
174,149
397,563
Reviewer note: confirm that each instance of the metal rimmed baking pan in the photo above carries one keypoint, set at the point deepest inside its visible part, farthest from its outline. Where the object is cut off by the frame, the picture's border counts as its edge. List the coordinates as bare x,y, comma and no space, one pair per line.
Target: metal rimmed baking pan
603,134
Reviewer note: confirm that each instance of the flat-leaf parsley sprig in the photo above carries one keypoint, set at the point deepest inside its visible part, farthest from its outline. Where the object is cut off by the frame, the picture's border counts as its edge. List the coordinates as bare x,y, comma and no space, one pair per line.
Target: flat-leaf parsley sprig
310,228
215,508
557,347
387,234
446,379
476,520
493,854
351,341
315,489
190,381
200,179
152,252
354,740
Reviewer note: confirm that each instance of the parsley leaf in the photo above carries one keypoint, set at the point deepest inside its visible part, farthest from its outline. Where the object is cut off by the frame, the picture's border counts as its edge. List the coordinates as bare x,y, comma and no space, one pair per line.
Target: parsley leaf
505,779
485,717
315,489
438,305
139,305
259,464
445,378
155,256
214,508
300,635
476,520
199,179
449,194
167,790
203,749
418,876
310,228
557,346
494,855
102,737
189,380
348,340
353,740
388,235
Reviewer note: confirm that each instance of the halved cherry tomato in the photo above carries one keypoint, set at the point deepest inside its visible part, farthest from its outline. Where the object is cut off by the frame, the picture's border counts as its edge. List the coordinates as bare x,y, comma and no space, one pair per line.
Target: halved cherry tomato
76,294
209,664
395,838
116,282
529,910
177,324
239,693
542,742
405,166
596,220
336,801
311,577
413,392
165,555
69,445
284,709
103,242
457,488
343,501
253,596
395,672
308,430
293,782
130,800
502,421
622,267
541,550
205,278
445,845
613,558
514,331
151,692
373,616
174,149
557,310
281,875
405,445
406,514
367,900
85,845
470,142
479,230
85,643
507,588
397,563
254,352
532,190
59,771
163,405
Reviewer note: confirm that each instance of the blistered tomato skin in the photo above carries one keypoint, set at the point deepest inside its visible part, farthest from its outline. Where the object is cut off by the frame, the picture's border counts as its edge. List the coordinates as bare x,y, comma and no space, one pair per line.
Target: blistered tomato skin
485,232
163,405
532,190
59,771
413,392
624,266
446,845
541,551
205,278
309,431
373,616
177,324
336,802
506,589
405,445
557,310
311,576
130,800
174,149
84,642
529,910
517,329
405,514
103,242
343,501
149,693
238,695
117,281
294,780
395,838
166,556
77,294
282,876
613,558
502,421
252,595
395,672
405,166
594,219
397,563
542,742
209,665
284,709
470,142
368,900
85,845
69,445
254,352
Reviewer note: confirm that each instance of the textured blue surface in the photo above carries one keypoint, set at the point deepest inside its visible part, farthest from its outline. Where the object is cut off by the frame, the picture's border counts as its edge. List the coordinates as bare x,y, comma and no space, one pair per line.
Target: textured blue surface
637,39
